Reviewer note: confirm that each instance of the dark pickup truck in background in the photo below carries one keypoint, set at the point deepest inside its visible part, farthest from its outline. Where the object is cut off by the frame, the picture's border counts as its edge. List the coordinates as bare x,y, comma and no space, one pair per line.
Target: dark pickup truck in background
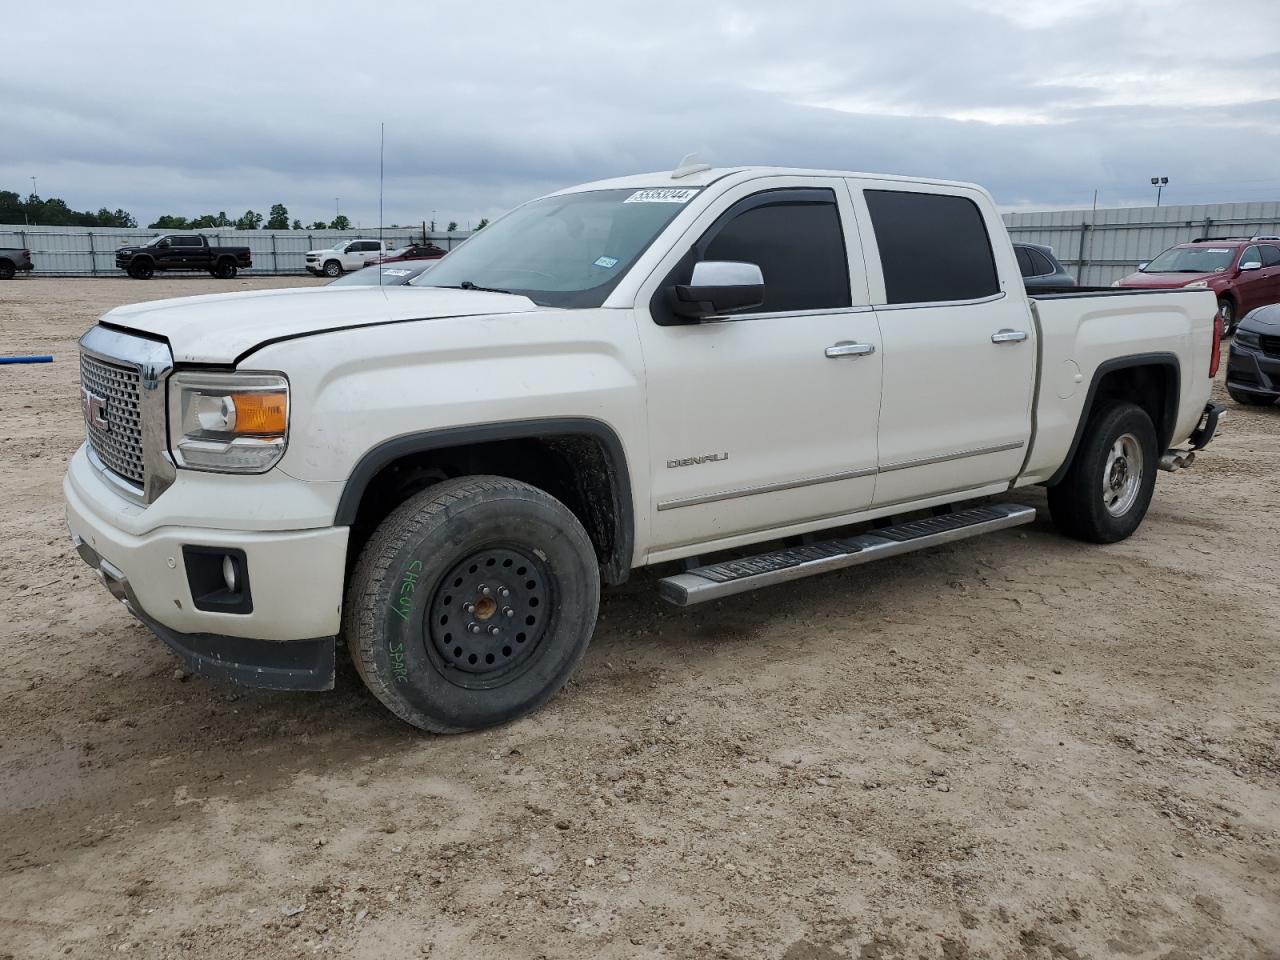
13,259
182,251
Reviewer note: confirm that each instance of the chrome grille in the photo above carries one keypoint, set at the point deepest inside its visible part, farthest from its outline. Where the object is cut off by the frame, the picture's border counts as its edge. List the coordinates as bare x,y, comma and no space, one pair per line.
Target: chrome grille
119,444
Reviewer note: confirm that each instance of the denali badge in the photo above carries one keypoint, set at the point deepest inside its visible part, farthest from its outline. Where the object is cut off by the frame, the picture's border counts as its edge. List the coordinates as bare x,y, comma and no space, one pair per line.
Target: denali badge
94,407
690,461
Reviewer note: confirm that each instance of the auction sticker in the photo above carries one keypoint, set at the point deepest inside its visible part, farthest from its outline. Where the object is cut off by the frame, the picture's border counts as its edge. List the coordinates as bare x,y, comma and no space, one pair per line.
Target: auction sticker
662,195
607,262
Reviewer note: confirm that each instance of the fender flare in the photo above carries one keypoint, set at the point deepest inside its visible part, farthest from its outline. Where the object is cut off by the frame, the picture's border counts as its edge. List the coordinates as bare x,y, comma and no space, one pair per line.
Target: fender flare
617,566
1164,429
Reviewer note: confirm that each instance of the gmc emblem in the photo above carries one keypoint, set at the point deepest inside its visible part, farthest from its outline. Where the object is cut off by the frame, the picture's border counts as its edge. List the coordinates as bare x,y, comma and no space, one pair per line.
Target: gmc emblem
95,408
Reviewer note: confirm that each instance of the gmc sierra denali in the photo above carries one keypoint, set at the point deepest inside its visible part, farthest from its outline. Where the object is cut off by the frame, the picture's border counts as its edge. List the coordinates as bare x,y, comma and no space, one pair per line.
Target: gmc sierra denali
700,366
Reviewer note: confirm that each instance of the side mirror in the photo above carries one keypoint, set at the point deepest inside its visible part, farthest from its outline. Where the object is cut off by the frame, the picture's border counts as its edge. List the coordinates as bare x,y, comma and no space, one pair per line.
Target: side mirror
718,287
1143,264
162,244
1251,265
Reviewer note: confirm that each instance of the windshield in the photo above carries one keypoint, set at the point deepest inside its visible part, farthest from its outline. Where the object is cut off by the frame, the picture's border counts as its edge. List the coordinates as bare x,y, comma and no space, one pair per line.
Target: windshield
564,251
1206,259
154,240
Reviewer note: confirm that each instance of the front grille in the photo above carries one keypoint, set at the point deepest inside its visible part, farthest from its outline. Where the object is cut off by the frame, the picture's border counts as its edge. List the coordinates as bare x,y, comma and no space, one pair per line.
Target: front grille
1270,345
119,444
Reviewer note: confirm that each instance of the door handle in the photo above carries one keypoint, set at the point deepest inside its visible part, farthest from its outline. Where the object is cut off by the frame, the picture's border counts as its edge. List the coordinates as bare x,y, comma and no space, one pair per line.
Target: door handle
1008,336
846,348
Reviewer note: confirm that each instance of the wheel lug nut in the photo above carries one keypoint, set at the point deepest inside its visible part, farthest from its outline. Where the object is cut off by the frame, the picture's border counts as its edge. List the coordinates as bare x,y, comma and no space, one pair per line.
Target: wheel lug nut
494,631
505,592
508,612
474,628
470,608
485,590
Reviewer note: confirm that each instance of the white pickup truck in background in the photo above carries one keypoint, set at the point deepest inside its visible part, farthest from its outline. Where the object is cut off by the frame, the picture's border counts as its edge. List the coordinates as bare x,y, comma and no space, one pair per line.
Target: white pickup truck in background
344,256
636,371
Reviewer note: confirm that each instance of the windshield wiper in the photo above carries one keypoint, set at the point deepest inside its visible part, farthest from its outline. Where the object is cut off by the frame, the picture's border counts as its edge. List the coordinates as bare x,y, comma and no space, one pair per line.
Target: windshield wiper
468,285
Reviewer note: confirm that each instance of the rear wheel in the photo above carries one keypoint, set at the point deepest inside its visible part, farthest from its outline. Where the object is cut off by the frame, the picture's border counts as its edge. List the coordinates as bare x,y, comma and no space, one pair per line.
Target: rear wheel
142,270
7,270
472,604
332,268
225,269
1251,399
1107,490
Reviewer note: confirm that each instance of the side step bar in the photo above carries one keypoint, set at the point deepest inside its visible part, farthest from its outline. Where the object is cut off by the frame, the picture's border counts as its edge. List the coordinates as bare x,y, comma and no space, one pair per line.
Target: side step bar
736,576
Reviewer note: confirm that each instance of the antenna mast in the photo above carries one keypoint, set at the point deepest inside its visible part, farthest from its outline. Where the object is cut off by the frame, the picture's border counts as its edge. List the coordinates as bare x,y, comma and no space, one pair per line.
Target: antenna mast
382,151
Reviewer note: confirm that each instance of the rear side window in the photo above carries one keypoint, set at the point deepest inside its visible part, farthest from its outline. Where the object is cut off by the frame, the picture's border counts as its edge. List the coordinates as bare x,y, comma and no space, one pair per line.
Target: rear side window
796,243
1270,256
1025,266
933,247
186,241
1042,265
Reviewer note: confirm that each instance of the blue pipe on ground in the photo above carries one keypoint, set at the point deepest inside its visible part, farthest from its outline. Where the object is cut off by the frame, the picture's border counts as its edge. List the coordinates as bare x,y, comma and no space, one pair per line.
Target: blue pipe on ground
34,359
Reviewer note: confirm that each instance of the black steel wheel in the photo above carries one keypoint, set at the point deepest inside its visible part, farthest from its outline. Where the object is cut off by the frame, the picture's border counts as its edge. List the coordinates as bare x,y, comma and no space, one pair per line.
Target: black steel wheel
142,269
472,603
226,269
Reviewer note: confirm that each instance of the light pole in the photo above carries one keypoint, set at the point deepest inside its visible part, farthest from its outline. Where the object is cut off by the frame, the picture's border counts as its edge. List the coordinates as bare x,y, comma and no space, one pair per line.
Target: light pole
433,221
33,187
1159,183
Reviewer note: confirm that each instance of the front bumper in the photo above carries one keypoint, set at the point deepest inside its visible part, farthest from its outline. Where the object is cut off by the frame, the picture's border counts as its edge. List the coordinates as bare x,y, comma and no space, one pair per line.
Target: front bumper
267,664
284,641
1252,371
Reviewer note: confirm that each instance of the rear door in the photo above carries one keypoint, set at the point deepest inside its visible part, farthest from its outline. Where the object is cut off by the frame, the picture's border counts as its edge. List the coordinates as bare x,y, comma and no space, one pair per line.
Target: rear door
1251,285
1270,271
959,343
764,419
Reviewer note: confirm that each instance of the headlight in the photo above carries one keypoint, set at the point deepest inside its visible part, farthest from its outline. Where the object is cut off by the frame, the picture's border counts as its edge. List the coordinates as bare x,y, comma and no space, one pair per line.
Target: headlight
1245,338
228,422
1196,285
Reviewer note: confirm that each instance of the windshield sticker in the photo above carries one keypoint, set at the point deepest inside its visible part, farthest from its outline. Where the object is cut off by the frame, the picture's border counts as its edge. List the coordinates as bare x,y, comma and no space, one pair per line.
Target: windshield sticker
607,262
662,195
1216,250
396,273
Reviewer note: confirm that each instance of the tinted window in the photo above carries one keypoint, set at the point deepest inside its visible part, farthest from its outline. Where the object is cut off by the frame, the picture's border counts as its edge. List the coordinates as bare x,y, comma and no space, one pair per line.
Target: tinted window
1270,256
1250,255
1043,265
186,241
1025,266
798,246
933,247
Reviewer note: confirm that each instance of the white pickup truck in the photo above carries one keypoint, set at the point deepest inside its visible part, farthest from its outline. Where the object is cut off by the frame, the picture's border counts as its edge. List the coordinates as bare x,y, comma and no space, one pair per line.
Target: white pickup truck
344,256
751,375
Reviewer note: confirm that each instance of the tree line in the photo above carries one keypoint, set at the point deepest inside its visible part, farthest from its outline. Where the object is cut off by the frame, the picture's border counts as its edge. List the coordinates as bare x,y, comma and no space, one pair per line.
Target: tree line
55,212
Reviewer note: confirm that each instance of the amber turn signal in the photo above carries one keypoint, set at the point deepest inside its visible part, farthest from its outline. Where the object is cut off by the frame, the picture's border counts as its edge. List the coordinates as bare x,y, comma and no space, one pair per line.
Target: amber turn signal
261,413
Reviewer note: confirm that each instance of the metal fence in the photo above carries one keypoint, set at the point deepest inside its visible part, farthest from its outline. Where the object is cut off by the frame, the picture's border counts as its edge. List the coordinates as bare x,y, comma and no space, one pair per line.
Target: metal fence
1102,246
90,251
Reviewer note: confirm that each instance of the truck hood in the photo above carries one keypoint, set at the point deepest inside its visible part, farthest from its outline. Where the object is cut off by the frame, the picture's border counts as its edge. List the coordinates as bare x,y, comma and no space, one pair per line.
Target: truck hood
222,327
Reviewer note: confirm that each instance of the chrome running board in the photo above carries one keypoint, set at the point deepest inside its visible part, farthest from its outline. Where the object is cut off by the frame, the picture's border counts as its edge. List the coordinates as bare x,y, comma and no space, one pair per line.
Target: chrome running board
737,576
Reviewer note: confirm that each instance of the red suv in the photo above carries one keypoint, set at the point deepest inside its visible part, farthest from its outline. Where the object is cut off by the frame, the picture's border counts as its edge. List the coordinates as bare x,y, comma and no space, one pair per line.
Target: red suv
1243,271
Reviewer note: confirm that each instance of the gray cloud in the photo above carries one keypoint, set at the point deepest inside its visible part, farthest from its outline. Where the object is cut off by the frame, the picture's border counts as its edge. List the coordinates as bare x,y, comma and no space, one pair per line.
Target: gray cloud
488,103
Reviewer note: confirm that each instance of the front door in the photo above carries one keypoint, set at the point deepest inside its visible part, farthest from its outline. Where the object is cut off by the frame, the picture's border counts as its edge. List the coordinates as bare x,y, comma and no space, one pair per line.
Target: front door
767,418
959,343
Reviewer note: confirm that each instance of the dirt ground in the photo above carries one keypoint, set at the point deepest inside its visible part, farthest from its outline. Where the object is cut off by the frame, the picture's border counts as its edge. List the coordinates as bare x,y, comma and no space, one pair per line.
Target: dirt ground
1015,746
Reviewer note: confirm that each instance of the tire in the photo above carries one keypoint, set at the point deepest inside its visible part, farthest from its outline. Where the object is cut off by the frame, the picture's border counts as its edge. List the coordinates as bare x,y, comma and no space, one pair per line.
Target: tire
1250,399
332,268
1107,489
142,269
429,659
1230,321
225,269
7,270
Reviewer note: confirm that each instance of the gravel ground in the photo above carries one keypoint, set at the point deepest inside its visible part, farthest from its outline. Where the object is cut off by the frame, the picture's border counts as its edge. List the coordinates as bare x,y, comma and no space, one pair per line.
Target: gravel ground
1015,746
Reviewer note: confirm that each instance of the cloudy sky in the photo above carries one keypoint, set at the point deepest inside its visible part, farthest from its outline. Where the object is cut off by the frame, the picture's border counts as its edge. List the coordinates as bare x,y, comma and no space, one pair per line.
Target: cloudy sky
209,107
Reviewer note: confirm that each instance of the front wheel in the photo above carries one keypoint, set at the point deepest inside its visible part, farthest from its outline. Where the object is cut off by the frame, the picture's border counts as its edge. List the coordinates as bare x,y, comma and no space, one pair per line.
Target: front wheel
472,603
142,270
1107,490
225,270
332,268
1227,310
